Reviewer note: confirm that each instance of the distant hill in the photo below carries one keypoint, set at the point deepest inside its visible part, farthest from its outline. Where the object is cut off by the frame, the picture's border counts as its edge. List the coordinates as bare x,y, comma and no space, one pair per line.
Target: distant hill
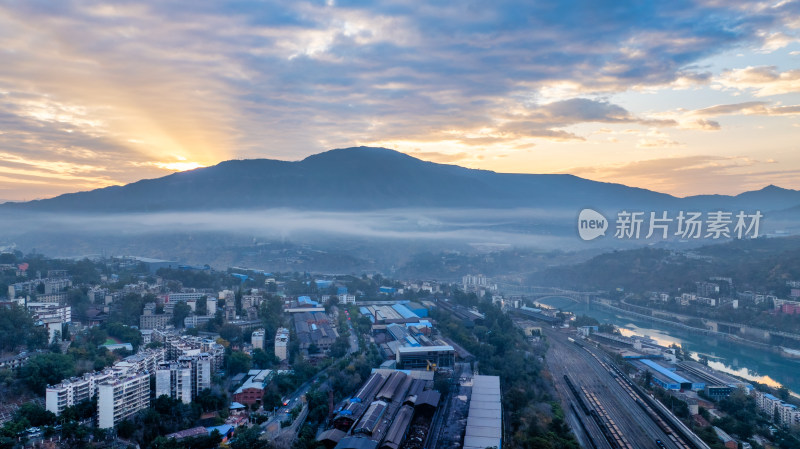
763,264
365,178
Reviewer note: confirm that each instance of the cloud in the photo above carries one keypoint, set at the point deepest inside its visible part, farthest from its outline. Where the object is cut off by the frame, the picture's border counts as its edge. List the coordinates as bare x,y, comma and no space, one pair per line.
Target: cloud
690,175
747,108
144,85
762,81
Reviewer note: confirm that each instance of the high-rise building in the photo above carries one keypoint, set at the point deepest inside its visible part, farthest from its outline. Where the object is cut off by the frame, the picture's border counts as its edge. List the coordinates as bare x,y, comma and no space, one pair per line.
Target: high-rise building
185,378
282,343
174,379
202,367
211,306
73,391
258,339
119,399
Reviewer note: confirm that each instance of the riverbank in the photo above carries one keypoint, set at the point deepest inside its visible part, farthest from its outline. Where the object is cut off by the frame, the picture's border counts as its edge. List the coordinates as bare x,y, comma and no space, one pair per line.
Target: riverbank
728,355
690,329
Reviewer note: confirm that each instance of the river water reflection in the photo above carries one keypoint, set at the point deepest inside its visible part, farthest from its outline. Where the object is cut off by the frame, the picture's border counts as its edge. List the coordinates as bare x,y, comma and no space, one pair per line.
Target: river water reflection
749,363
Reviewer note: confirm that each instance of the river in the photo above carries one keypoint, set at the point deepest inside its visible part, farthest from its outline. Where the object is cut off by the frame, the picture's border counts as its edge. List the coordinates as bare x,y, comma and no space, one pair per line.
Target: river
749,363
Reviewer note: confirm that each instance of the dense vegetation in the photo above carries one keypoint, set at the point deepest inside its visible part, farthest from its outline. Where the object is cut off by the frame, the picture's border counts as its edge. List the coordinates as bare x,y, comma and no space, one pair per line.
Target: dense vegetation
532,415
763,264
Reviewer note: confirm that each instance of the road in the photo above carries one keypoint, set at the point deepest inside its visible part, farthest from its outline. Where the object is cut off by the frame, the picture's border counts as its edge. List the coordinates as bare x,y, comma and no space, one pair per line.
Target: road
294,399
637,428
291,402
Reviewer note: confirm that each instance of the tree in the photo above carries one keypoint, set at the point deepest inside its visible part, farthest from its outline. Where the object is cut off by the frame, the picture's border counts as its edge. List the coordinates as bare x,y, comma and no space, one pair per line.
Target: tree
238,362
202,306
126,428
46,369
231,332
17,328
271,400
783,393
35,414
340,347
249,438
264,359
179,313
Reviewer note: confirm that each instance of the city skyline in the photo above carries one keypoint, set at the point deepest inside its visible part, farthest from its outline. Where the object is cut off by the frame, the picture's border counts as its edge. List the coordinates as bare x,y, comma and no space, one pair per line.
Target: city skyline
683,98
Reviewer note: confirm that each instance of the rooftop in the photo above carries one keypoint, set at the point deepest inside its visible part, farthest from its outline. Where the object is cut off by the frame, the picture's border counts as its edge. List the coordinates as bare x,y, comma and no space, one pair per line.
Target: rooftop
484,422
664,371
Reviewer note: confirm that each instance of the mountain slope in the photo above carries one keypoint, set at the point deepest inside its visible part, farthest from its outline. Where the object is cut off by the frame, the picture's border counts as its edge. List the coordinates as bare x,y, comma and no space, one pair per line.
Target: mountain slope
365,178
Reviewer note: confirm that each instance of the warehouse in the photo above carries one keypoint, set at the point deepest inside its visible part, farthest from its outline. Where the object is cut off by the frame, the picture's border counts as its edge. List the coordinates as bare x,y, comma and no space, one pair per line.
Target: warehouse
425,357
484,421
381,413
667,379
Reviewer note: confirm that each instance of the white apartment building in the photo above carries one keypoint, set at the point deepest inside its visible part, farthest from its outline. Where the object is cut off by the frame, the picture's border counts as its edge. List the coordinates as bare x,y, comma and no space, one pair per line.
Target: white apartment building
789,414
74,391
258,339
282,343
77,389
182,297
211,306
174,379
202,369
118,399
47,310
346,298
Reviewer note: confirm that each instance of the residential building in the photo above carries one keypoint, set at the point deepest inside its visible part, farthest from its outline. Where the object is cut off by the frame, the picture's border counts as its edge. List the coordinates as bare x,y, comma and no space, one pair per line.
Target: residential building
346,298
74,390
119,399
707,289
174,379
786,413
202,369
282,343
258,339
182,297
47,310
152,320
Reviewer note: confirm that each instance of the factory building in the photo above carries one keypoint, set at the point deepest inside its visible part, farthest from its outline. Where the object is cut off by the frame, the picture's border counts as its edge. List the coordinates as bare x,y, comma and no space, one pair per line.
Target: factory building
668,379
485,418
389,407
252,391
425,357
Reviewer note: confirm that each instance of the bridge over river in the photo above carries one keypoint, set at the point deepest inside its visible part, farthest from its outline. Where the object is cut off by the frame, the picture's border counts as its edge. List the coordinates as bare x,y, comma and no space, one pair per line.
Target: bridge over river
537,293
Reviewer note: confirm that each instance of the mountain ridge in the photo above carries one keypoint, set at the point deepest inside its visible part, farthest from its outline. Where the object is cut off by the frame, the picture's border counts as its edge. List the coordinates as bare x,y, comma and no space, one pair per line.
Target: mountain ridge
370,178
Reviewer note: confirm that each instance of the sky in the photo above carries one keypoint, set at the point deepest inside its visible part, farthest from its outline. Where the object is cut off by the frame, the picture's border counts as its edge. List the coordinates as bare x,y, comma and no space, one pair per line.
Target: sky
682,97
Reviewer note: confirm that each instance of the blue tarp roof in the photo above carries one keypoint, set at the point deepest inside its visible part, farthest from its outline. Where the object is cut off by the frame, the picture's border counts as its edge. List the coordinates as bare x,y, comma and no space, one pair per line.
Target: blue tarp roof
660,369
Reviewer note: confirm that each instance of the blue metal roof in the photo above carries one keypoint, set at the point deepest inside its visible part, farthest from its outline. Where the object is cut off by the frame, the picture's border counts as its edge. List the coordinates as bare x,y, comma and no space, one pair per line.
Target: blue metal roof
223,429
404,311
660,369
